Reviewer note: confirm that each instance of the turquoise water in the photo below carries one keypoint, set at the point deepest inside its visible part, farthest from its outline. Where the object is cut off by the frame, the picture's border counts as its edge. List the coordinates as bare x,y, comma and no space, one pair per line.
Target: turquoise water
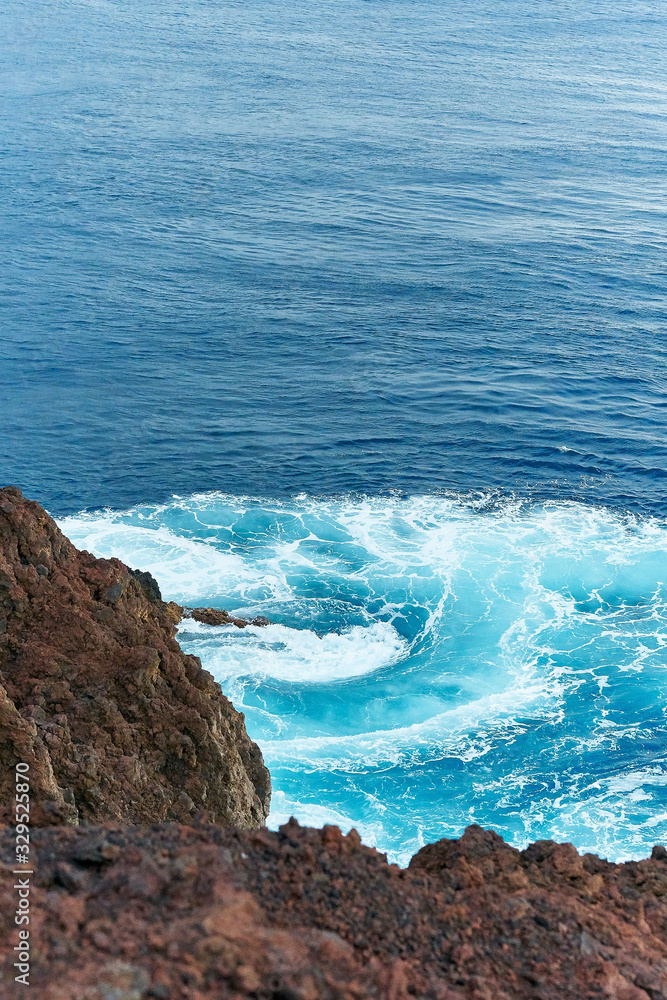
395,271
432,663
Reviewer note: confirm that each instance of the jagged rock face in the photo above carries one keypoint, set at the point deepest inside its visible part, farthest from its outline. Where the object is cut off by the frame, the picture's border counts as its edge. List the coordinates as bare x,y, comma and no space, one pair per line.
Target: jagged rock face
115,721
189,913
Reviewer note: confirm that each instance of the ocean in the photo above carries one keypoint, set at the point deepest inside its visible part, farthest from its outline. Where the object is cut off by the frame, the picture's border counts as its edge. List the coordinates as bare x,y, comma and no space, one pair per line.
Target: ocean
354,315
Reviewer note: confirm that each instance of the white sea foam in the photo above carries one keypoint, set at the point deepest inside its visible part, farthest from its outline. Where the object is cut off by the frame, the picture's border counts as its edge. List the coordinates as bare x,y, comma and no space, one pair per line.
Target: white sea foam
523,645
187,569
295,654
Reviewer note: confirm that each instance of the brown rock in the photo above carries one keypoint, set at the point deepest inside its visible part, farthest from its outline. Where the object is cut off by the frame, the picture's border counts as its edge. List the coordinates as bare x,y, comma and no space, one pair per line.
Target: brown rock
96,696
215,616
211,912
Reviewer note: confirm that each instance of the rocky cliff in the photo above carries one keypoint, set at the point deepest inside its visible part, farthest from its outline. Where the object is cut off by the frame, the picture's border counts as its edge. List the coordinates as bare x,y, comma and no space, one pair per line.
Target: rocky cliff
115,721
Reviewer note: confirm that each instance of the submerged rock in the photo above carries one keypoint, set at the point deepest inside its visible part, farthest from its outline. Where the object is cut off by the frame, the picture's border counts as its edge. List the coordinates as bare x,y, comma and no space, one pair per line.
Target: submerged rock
114,720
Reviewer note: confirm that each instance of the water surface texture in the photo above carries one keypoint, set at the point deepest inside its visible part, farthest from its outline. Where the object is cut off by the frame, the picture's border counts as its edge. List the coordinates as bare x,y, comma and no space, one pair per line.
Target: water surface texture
267,248
432,663
353,314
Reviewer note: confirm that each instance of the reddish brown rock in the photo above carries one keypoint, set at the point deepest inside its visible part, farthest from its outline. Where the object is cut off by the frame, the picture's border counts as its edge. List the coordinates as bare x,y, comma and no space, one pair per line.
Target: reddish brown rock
192,912
115,721
215,616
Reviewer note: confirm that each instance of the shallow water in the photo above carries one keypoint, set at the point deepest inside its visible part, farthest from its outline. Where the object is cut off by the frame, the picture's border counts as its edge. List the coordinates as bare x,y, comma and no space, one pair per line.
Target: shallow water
396,270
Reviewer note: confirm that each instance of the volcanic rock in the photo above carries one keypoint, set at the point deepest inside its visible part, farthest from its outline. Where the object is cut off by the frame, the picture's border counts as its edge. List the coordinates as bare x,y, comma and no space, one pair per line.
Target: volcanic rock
96,696
215,616
196,912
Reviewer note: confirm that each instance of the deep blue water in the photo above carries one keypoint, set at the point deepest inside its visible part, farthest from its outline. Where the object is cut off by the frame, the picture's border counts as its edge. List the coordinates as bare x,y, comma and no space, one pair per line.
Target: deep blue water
376,291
